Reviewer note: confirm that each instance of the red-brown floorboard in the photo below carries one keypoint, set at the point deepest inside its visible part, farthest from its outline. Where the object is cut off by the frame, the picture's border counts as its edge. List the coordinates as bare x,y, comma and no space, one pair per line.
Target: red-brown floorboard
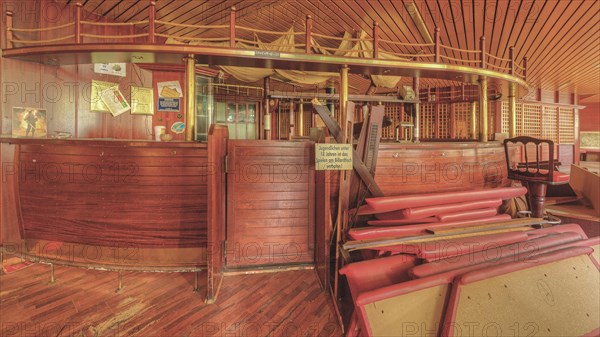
84,303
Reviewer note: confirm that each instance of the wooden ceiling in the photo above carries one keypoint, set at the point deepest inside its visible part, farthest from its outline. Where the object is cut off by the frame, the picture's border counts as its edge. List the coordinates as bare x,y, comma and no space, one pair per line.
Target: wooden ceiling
560,38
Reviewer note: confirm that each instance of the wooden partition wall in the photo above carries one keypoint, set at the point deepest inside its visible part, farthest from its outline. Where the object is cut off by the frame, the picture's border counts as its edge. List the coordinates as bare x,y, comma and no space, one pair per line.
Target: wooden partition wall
117,205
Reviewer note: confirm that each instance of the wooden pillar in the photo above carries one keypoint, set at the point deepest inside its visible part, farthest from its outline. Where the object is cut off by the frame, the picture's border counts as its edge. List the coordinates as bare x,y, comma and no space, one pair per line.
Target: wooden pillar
576,145
511,56
308,41
343,97
437,114
417,120
436,36
190,97
525,68
151,22
267,112
512,110
483,110
78,22
452,121
232,28
482,51
9,27
375,40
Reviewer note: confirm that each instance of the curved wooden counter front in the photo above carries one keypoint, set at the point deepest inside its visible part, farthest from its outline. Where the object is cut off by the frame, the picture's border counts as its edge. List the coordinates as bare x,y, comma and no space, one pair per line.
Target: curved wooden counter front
407,168
108,204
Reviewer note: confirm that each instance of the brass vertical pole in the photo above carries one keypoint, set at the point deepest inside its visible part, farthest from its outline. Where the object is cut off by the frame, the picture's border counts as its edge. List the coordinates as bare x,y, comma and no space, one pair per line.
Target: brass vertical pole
343,99
8,29
267,112
52,277
474,120
293,124
512,110
190,79
417,120
483,110
301,118
195,282
120,285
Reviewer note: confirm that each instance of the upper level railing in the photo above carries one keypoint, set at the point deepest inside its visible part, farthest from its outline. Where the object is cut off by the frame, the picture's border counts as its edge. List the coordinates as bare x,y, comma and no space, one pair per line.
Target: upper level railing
375,46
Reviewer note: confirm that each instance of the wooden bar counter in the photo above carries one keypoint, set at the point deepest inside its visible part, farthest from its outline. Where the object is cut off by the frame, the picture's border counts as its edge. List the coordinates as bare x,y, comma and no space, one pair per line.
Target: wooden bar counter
108,204
407,168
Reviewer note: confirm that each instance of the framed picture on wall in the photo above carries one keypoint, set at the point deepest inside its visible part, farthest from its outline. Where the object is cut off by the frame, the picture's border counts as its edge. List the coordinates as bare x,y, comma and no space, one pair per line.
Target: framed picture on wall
29,122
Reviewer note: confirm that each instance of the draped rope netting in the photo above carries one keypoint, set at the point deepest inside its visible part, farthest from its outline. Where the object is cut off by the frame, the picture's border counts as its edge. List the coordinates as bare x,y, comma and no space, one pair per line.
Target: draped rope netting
348,47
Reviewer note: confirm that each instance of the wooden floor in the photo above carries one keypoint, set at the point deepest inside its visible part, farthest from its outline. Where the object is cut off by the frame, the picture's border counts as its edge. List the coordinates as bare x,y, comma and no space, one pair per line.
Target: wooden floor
84,303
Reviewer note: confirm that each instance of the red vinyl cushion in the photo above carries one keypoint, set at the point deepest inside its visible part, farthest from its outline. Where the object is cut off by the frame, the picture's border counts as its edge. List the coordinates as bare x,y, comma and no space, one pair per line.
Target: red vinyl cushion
398,231
484,274
439,249
430,219
393,203
428,211
376,273
559,229
581,243
534,173
495,255
467,215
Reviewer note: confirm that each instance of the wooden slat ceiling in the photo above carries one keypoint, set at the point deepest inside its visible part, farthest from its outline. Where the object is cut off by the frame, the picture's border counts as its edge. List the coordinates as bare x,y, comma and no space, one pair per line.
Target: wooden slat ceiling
561,38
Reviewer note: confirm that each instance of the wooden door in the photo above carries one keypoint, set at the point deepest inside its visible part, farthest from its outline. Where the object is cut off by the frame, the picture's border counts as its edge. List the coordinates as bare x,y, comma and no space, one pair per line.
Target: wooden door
270,203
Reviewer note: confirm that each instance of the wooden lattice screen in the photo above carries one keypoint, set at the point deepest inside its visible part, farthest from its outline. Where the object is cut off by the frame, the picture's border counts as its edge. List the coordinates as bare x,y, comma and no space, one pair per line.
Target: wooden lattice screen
505,118
462,119
444,120
427,124
391,111
532,116
549,123
566,126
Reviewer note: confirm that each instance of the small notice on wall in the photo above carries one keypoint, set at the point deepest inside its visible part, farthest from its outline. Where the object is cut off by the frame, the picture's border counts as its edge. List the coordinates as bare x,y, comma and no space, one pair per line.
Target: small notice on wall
117,69
333,156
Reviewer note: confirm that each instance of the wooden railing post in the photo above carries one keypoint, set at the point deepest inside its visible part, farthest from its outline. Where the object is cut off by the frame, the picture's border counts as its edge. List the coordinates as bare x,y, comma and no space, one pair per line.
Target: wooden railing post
9,27
309,23
482,51
525,68
436,36
375,40
232,28
511,55
78,22
151,22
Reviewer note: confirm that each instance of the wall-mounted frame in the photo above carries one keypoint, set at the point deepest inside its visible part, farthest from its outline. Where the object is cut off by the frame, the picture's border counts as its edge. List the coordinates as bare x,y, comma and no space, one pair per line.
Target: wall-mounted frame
142,101
97,87
29,122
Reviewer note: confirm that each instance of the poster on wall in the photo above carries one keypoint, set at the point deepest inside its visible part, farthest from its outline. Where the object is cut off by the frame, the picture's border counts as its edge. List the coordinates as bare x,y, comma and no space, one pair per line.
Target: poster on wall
96,103
116,69
115,101
170,89
29,122
142,101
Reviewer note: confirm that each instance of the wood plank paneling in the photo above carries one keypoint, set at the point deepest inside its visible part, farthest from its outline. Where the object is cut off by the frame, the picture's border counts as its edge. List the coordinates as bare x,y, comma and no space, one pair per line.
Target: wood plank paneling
407,170
270,210
101,195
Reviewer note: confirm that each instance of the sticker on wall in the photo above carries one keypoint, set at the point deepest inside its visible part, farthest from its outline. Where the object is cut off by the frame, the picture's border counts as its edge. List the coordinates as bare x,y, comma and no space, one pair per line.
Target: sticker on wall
170,89
169,104
29,122
116,69
178,127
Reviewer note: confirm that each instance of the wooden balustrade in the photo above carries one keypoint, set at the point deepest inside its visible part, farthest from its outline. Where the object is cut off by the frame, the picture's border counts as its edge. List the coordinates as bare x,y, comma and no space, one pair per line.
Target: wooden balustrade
513,68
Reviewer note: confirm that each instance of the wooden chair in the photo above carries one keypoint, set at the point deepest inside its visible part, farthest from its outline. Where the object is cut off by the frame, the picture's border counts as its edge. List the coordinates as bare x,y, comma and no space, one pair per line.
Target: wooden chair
534,169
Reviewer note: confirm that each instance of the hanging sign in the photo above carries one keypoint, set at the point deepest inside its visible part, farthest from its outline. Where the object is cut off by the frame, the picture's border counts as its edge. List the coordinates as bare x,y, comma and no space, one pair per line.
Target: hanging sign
333,157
